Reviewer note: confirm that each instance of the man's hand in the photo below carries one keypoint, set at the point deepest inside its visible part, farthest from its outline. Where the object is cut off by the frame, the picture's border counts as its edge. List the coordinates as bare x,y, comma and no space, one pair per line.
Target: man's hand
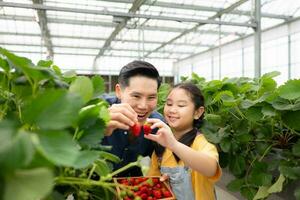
122,116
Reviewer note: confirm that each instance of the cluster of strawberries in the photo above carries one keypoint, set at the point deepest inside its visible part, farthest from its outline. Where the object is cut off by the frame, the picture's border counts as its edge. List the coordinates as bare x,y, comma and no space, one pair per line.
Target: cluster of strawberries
143,188
137,128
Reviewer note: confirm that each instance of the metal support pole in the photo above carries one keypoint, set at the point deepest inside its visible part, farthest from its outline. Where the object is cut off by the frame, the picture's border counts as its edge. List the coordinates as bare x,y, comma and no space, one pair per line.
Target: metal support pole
289,52
257,38
243,58
220,51
212,66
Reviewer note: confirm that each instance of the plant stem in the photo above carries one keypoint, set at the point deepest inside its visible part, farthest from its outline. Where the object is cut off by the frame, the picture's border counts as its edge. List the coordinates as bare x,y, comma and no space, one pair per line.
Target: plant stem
92,171
265,152
76,133
81,181
109,176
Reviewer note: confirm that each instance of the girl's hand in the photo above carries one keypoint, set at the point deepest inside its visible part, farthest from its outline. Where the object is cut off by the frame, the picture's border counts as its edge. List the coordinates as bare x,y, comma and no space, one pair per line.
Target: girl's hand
164,135
164,177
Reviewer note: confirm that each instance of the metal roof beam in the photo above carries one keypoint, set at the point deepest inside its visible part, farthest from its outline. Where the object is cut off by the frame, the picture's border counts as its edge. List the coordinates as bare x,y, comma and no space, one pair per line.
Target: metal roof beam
42,20
126,15
91,48
201,8
135,7
218,14
88,54
112,25
98,38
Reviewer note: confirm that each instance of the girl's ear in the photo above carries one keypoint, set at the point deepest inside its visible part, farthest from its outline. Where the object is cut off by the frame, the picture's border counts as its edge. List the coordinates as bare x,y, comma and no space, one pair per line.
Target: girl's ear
118,90
198,113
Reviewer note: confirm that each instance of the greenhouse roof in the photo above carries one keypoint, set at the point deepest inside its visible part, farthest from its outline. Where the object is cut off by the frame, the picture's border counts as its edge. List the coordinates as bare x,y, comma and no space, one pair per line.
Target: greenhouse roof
89,34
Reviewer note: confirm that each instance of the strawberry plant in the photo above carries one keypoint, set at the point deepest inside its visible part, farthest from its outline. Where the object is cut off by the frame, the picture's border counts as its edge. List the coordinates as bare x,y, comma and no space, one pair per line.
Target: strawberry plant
51,126
255,125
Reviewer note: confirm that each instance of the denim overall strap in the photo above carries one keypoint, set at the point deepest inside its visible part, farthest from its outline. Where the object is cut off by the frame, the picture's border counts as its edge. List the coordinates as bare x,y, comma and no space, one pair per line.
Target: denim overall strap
180,181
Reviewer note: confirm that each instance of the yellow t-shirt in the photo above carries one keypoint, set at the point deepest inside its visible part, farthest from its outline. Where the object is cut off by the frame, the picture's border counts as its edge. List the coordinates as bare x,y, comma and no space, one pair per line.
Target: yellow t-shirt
203,186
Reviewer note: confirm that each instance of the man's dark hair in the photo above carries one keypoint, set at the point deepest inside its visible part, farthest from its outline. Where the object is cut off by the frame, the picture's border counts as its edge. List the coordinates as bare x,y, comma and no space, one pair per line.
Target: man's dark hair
138,68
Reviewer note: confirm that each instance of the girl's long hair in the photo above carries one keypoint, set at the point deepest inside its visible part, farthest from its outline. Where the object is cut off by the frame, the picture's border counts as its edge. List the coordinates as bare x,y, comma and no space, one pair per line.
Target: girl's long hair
188,138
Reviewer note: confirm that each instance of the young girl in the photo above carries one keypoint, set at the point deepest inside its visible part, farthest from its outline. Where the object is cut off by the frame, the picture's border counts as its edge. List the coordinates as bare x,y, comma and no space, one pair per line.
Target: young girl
182,152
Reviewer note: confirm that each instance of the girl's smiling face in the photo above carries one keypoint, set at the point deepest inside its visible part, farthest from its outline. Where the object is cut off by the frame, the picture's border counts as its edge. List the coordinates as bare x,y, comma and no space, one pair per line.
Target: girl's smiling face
179,110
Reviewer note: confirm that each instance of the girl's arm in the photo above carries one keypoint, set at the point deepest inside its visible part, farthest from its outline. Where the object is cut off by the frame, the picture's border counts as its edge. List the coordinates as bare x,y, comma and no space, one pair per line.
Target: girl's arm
199,161
196,160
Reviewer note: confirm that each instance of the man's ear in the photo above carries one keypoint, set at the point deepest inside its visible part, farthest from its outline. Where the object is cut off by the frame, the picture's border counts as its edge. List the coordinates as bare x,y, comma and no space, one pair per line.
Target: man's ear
118,90
199,112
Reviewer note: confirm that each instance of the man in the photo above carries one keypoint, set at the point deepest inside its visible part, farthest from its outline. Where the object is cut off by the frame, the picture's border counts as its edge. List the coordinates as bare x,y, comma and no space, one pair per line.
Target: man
135,101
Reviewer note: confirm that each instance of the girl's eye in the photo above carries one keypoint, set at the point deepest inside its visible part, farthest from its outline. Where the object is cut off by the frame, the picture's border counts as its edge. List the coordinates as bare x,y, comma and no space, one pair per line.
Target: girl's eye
181,105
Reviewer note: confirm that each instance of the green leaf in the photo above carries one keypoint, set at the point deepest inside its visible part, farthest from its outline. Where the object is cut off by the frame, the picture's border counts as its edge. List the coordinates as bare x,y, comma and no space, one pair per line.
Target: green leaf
259,175
277,186
235,185
57,70
243,137
29,184
213,118
297,193
99,85
261,193
290,172
4,65
226,97
254,114
268,110
271,74
248,192
87,113
102,169
58,147
292,119
92,134
290,90
82,86
267,85
282,104
26,66
296,148
61,149
52,109
85,158
110,157
104,114
8,130
18,153
245,104
45,63
237,164
226,144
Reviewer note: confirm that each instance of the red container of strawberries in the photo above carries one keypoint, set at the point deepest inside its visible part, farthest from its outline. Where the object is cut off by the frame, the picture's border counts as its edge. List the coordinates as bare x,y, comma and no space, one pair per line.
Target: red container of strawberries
143,188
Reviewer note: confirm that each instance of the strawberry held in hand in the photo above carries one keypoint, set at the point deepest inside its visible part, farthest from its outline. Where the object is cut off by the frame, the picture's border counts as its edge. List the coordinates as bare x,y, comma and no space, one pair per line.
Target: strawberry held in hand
147,129
136,129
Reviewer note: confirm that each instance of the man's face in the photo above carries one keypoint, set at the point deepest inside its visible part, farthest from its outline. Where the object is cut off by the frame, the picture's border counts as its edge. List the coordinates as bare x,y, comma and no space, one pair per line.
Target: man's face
140,94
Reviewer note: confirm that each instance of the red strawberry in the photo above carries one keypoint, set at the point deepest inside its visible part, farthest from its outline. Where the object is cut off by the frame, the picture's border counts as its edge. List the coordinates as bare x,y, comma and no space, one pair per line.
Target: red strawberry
144,196
147,129
157,194
167,194
136,129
